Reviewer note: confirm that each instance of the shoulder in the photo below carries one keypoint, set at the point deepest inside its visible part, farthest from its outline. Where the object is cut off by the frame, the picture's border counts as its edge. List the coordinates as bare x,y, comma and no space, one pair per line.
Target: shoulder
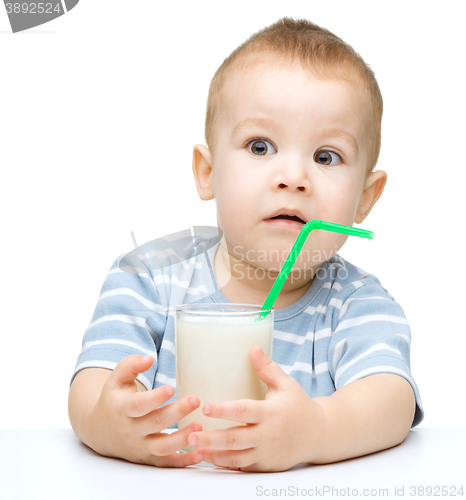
349,279
363,299
358,292
175,263
174,251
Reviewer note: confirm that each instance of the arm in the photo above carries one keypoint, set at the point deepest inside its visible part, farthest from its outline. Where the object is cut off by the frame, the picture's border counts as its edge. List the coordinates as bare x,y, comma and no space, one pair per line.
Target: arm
375,412
365,416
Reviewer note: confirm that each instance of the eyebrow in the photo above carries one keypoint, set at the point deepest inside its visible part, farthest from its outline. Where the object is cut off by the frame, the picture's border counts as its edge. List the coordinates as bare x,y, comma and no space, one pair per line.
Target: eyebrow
343,135
331,132
252,122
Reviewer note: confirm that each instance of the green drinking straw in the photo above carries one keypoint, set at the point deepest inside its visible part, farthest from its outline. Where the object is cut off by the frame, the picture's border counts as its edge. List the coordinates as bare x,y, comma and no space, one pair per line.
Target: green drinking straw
290,260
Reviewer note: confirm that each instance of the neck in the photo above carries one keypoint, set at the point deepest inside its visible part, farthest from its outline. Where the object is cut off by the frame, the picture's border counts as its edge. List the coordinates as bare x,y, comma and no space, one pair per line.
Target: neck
248,283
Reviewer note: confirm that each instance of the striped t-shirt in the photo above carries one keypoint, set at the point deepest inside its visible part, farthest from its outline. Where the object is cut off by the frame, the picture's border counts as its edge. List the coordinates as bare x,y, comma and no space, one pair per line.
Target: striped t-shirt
345,327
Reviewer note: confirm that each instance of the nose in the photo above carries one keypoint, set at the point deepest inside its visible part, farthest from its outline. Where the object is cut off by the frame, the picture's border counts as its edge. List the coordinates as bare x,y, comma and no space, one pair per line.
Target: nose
293,177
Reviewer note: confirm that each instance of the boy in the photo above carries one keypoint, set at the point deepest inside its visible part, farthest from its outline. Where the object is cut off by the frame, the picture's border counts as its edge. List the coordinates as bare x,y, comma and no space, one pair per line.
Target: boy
293,133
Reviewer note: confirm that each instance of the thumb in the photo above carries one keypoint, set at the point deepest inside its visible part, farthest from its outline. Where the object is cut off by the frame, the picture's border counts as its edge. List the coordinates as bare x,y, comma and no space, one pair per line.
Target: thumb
129,368
268,371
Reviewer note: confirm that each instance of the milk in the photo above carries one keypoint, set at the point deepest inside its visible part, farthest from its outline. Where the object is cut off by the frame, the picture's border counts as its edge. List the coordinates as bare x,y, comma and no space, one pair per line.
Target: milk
212,362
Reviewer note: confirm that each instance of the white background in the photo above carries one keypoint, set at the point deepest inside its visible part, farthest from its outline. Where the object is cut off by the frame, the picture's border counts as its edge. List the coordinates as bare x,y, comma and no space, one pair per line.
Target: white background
99,112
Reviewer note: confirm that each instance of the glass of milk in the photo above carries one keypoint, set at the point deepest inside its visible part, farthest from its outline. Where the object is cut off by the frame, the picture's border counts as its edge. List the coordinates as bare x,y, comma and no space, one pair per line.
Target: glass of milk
213,343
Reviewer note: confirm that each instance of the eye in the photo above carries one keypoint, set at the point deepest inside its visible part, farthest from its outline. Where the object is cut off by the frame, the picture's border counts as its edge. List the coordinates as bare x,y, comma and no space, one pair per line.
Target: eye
324,157
260,147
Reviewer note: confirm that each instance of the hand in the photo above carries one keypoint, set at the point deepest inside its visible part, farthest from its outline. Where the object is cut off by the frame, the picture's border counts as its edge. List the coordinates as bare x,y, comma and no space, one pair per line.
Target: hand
126,423
285,429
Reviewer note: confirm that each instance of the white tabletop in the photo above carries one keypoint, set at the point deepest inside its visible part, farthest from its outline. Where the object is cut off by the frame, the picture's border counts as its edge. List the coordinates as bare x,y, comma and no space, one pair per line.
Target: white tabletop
54,464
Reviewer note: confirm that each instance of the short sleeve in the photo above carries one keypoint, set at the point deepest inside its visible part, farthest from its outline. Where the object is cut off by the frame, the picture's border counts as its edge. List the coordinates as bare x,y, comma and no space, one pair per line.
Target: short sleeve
128,319
371,335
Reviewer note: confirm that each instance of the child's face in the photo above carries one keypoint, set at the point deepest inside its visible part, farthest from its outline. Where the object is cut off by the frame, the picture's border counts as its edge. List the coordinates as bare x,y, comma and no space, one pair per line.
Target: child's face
315,122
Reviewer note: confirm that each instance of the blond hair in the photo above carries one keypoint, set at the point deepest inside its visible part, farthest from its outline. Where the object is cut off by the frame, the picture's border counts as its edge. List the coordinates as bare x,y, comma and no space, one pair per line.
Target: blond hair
316,49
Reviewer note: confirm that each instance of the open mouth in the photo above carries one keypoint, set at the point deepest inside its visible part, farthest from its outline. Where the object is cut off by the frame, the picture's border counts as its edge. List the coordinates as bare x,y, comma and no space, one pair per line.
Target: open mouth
289,217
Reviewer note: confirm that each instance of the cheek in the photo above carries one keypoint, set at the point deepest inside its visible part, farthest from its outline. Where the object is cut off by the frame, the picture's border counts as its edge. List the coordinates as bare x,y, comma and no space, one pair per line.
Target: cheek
234,188
237,201
338,202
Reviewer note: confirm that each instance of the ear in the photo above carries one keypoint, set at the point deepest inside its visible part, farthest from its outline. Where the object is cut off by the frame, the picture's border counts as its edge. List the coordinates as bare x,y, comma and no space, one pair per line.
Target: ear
373,188
202,170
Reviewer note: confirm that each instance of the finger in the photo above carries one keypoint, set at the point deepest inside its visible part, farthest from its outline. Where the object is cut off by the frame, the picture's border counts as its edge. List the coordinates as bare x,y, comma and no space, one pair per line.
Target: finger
233,438
162,444
175,460
170,414
268,371
247,411
227,458
139,404
129,368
